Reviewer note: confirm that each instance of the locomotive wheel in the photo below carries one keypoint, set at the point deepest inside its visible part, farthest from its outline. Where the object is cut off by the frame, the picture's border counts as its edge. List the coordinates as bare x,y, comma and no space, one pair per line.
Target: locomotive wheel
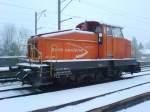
34,79
99,76
117,75
62,81
89,79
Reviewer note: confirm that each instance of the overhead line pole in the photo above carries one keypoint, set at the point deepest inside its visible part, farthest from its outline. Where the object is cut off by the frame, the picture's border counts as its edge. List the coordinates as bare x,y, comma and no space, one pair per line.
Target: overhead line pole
38,15
35,23
59,14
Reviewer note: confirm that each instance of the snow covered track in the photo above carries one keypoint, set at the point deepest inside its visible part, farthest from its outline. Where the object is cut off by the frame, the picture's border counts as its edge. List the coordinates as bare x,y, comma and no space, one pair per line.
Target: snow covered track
16,92
123,104
88,97
8,79
67,100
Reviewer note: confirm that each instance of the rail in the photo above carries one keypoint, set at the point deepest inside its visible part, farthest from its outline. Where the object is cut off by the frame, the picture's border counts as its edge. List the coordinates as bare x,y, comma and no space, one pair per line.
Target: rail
123,104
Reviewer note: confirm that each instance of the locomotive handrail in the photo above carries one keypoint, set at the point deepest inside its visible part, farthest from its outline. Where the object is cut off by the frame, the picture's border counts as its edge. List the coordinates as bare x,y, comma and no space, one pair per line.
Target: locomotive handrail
39,57
33,48
51,32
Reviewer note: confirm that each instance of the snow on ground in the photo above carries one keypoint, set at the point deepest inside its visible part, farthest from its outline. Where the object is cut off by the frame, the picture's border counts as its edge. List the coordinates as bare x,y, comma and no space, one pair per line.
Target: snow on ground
2,57
9,84
145,69
13,93
4,68
45,100
136,74
109,99
142,107
12,86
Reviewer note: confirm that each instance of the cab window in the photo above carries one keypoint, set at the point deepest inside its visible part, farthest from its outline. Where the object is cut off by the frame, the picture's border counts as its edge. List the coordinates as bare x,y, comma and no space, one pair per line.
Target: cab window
98,29
117,32
109,31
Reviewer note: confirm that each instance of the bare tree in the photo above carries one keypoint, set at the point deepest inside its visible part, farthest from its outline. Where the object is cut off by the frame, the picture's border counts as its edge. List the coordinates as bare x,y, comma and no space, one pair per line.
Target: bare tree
136,47
23,35
8,35
14,40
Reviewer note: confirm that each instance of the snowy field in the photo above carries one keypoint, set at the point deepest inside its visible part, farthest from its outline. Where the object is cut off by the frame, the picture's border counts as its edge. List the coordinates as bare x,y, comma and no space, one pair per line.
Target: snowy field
50,99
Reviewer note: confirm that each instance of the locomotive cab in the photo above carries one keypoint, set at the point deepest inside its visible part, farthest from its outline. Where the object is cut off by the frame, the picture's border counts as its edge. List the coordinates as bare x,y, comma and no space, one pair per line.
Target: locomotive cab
92,26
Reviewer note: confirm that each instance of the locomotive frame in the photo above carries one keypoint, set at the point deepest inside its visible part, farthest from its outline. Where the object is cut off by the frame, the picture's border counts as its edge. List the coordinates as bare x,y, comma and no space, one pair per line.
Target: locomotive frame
64,71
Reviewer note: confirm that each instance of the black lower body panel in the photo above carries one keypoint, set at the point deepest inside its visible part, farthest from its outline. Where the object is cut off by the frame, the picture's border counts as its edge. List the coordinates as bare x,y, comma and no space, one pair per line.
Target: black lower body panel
63,71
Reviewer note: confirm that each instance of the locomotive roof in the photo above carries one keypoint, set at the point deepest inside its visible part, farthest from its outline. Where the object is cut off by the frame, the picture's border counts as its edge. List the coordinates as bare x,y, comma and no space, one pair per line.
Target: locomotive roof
98,23
76,30
63,32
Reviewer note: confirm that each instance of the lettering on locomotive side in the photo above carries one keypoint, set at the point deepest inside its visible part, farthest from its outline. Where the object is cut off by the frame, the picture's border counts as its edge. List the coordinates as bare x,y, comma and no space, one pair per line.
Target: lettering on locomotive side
57,49
62,72
66,50
71,48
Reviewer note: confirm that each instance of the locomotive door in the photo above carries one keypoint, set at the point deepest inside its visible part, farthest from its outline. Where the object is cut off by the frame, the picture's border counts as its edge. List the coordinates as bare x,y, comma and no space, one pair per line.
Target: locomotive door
109,43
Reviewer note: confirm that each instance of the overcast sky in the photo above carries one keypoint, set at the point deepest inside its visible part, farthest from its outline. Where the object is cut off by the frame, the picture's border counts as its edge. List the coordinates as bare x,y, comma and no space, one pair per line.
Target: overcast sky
133,15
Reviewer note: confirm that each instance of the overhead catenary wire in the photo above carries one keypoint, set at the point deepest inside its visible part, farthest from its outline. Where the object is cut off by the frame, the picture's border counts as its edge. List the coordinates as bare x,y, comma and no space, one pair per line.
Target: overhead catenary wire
15,5
63,1
66,5
23,7
106,10
111,13
117,12
127,26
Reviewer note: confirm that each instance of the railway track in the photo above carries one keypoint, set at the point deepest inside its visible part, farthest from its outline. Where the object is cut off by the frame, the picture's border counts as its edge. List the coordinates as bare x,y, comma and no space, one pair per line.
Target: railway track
123,104
84,100
8,79
17,87
54,108
17,92
8,92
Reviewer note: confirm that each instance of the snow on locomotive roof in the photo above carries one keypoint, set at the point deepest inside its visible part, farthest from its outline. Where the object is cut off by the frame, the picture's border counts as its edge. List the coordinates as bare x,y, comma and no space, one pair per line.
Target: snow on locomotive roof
64,32
77,30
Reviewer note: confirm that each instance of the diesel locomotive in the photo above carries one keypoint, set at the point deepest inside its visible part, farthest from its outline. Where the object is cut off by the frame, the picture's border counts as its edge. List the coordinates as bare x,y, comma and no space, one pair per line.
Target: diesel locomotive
92,51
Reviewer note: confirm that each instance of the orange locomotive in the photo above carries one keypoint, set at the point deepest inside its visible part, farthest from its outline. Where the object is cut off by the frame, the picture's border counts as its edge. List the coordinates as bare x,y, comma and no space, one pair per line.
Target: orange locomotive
91,51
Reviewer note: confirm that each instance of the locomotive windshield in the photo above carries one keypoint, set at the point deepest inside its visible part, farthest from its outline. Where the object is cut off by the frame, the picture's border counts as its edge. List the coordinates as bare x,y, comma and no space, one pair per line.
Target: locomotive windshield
115,32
